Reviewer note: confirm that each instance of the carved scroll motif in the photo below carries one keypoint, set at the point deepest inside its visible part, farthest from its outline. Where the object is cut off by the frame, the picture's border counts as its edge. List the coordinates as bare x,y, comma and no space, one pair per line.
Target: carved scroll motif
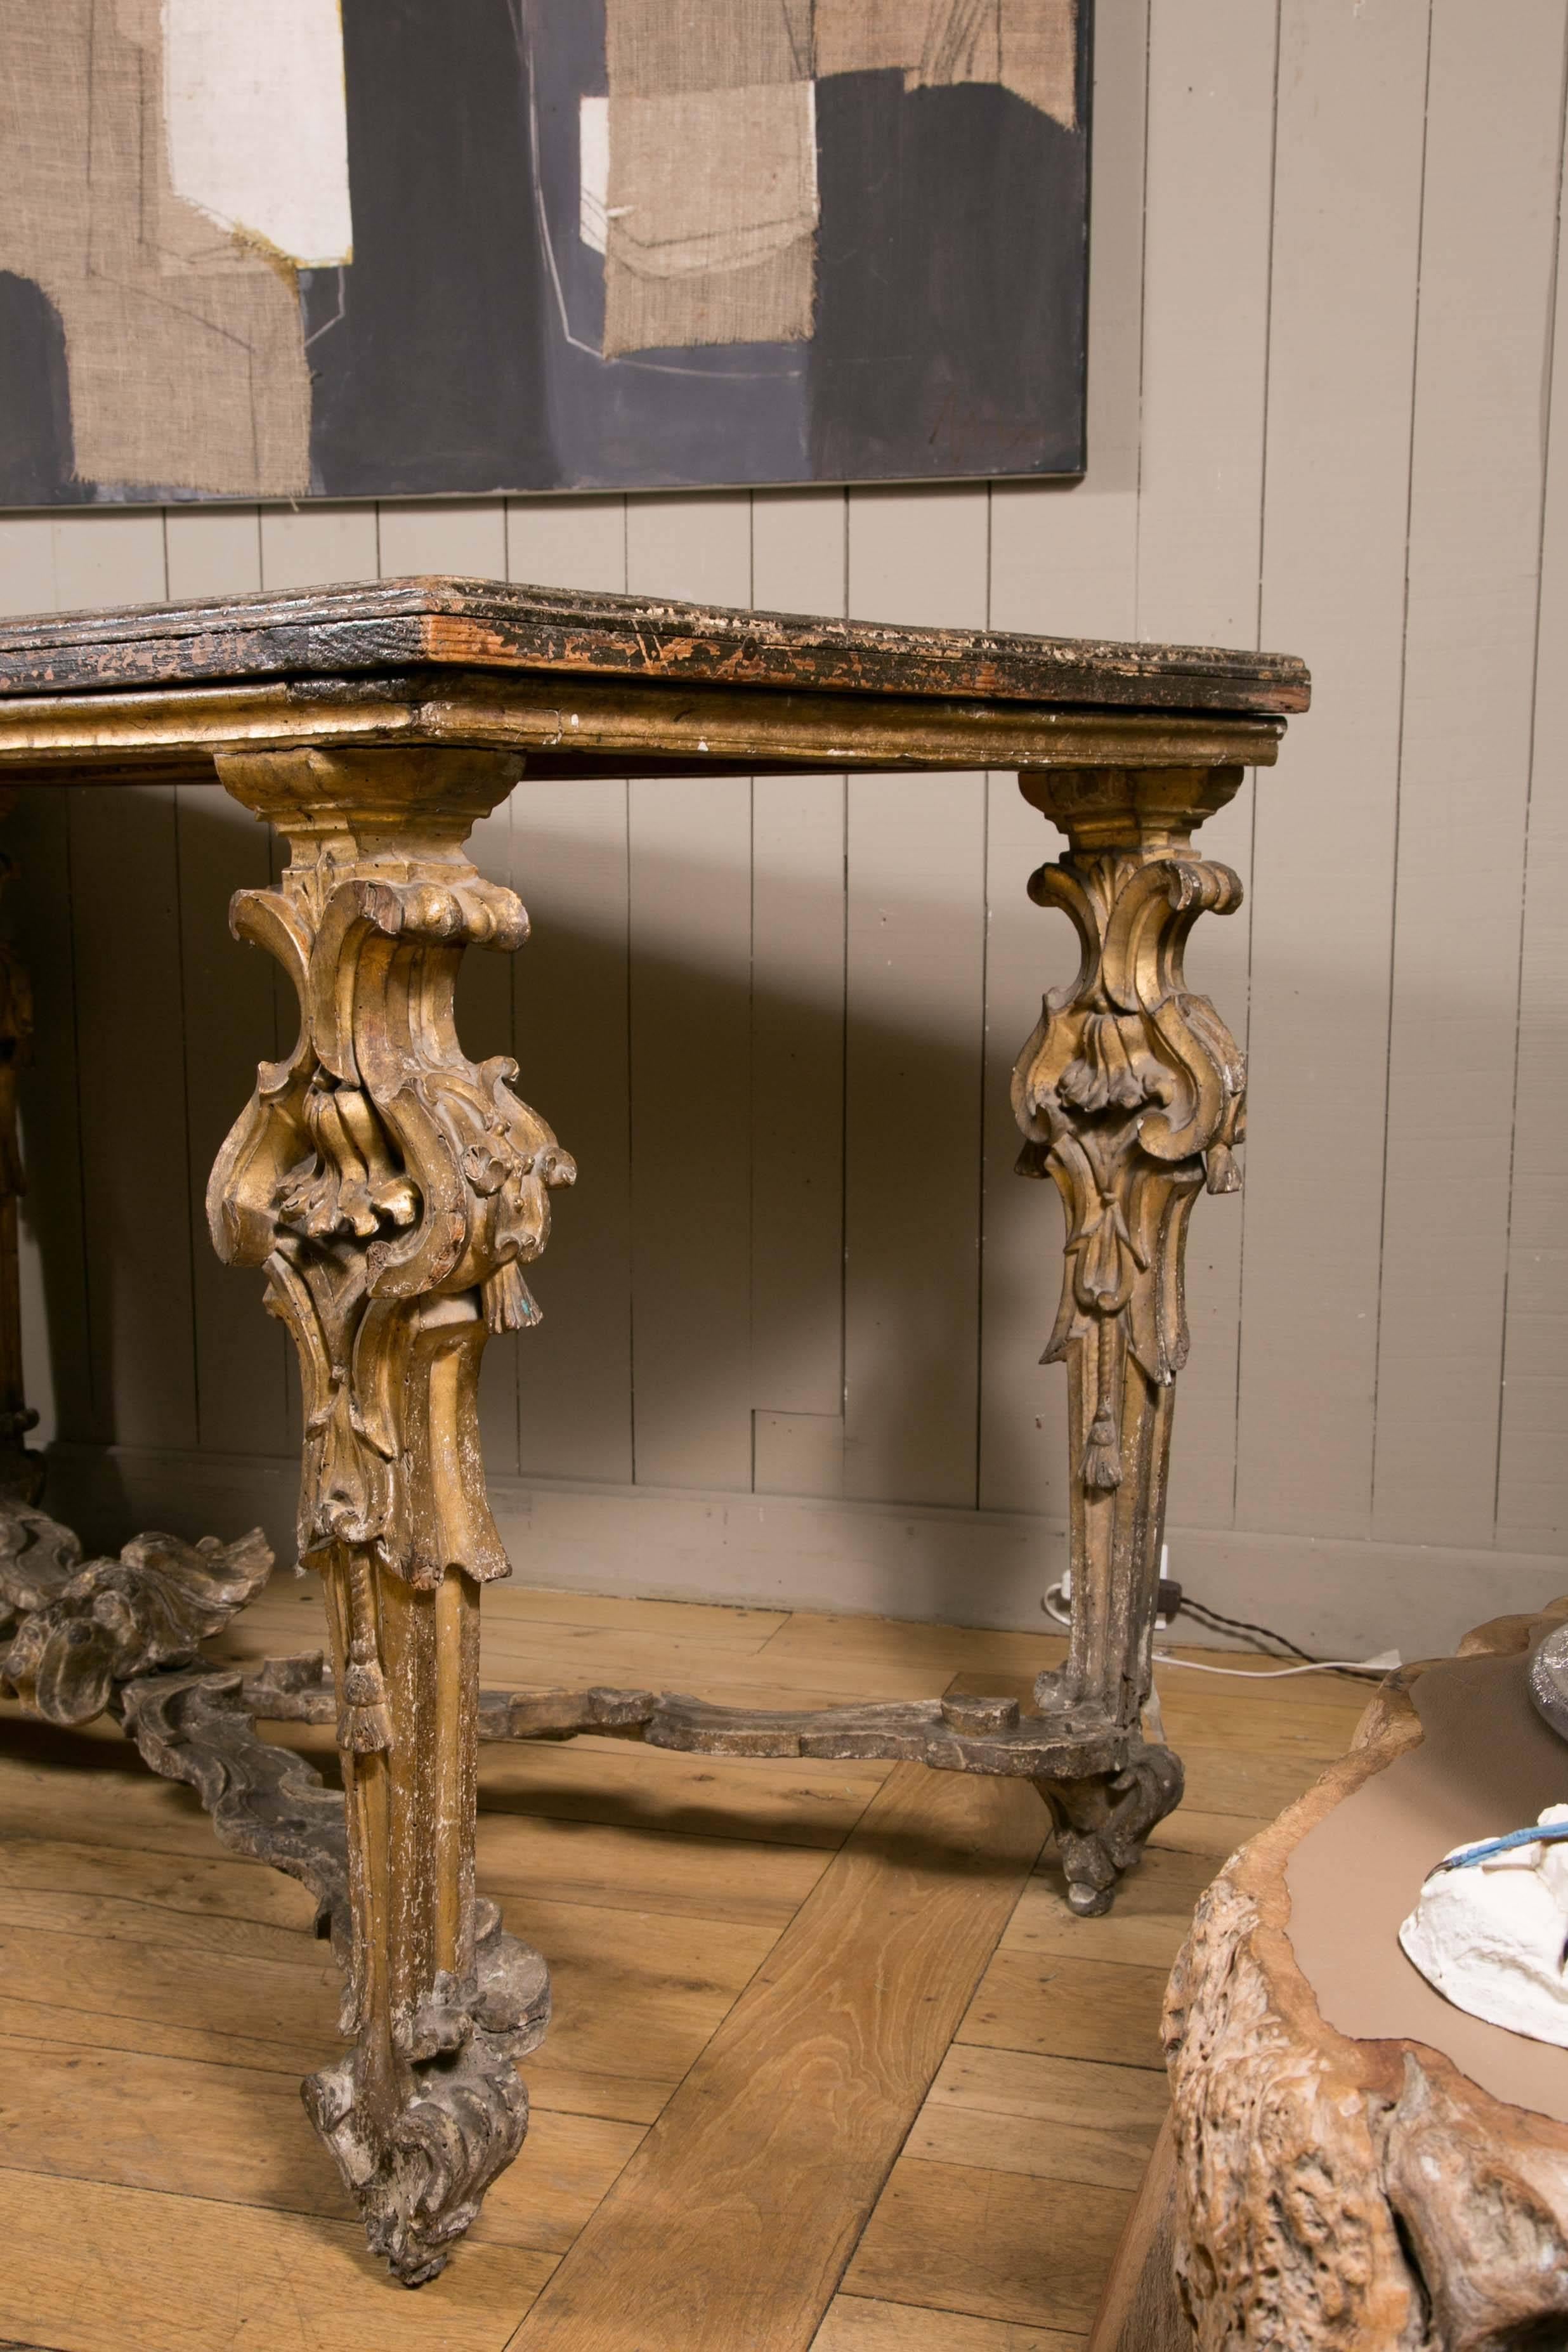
72,1630
467,2111
394,1191
1130,1093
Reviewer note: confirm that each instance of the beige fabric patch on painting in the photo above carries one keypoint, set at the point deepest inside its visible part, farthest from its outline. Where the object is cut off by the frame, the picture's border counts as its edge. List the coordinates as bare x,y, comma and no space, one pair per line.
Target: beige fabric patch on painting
1029,47
656,46
712,217
256,122
185,351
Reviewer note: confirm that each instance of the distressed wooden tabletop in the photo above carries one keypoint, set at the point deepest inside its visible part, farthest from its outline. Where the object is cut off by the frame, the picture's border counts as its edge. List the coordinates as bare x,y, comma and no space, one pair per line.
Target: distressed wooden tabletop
494,626
579,685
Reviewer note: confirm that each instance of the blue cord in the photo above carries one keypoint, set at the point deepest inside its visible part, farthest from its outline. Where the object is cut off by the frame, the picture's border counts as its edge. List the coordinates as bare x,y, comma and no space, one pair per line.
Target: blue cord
1551,1835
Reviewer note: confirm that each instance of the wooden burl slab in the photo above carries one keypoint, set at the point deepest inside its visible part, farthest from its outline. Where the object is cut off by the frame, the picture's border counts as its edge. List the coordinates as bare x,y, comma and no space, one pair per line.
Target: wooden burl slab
1358,2163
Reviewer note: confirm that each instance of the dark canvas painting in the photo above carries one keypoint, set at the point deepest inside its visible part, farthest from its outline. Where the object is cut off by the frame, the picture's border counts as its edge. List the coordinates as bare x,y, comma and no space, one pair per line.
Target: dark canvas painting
345,248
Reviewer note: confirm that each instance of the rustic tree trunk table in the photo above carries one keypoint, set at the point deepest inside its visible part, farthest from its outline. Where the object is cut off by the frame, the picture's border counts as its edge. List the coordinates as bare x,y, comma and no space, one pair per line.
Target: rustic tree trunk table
1357,2163
395,1191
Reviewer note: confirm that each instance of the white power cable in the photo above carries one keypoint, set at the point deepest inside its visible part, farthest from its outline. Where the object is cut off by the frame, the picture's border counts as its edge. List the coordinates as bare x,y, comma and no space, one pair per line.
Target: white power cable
1383,1663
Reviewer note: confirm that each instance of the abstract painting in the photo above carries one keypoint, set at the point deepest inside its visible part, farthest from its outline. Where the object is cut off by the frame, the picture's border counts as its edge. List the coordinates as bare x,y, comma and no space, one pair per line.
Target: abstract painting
341,248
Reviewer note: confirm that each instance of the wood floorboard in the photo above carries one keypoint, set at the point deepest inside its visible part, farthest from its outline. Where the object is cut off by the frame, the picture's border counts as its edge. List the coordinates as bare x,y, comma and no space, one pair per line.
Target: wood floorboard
1232,1780
940,1650
745,1882
738,2213
1045,2151
64,1785
1066,2008
202,1903
1188,1830
47,2026
832,2064
198,2130
1056,2118
292,2004
1079,2092
91,2268
298,1602
727,1628
553,1657
1147,1928
962,2239
790,1801
635,1994
857,2324
1296,1730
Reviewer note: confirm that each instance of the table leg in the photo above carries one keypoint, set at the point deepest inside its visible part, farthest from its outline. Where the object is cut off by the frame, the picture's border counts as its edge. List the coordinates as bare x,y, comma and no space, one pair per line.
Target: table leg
393,1190
1129,1095
21,1470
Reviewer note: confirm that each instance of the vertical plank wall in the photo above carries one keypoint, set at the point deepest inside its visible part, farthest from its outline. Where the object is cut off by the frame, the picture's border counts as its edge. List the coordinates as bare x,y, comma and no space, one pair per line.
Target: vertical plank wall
795,1308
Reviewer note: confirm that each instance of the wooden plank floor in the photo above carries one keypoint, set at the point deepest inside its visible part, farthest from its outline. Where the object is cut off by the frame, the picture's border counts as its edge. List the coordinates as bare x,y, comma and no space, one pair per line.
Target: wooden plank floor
833,2068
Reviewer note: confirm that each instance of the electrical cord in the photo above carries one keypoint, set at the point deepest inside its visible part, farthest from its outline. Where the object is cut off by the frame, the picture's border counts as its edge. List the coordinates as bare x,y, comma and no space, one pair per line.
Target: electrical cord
1380,1667
1222,1624
1174,1600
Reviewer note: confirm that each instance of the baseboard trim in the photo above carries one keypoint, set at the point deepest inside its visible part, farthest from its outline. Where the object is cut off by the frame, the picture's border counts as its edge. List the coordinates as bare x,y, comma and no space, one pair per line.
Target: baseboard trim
1337,1596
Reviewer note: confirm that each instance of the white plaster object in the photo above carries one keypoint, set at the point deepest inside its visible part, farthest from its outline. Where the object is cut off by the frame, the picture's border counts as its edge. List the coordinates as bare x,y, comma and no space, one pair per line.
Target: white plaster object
257,121
1491,1937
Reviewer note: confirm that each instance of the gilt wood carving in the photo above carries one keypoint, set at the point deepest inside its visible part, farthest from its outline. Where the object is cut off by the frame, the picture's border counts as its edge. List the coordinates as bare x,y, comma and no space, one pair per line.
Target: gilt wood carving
394,1194
1130,1096
393,1191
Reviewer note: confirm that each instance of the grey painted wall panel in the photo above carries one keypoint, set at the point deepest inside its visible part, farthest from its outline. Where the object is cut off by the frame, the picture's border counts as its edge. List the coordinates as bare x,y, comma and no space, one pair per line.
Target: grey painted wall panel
1349,141
1494,137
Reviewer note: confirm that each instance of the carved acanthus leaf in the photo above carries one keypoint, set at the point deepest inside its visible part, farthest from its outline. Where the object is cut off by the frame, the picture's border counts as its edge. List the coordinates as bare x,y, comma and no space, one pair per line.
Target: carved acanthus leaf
71,1631
1129,1095
394,1191
464,2117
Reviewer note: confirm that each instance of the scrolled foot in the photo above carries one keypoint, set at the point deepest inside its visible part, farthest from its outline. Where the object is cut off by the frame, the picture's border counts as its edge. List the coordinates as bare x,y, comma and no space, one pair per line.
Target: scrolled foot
461,2110
419,2137
1103,1822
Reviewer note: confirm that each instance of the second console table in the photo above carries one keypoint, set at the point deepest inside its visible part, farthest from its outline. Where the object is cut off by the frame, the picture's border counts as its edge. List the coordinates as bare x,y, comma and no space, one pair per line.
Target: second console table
394,1194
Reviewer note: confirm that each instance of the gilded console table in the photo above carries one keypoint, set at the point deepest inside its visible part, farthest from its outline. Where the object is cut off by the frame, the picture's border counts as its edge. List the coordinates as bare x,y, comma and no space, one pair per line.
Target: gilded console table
394,1192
